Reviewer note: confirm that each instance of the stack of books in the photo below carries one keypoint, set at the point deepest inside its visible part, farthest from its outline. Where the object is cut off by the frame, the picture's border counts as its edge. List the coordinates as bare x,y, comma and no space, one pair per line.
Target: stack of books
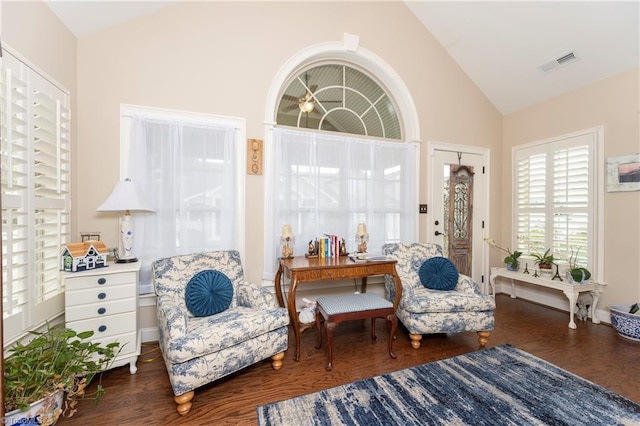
328,245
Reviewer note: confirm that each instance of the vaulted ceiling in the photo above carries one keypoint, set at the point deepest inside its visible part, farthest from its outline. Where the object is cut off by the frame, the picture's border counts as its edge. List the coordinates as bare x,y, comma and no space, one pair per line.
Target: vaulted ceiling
503,46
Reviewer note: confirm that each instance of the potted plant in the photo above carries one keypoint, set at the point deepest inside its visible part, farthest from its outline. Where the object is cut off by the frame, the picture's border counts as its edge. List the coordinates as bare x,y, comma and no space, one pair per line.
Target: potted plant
510,261
575,273
545,261
56,361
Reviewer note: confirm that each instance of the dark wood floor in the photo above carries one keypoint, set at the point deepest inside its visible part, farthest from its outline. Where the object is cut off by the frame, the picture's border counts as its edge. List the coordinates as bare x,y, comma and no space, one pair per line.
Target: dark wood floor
594,352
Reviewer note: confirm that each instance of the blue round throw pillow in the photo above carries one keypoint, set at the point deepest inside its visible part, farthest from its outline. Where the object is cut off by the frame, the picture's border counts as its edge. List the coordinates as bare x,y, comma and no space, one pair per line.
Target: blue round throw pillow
208,292
438,273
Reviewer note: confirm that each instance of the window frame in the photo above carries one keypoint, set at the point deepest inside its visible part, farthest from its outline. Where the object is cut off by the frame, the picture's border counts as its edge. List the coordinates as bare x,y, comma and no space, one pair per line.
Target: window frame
239,124
370,213
596,190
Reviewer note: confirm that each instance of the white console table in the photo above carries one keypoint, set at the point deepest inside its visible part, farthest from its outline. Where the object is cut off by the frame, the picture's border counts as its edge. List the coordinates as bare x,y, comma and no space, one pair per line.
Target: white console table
572,291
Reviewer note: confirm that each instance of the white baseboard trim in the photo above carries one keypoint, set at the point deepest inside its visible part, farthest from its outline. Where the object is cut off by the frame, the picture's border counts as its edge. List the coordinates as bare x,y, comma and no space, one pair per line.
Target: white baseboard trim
556,299
150,334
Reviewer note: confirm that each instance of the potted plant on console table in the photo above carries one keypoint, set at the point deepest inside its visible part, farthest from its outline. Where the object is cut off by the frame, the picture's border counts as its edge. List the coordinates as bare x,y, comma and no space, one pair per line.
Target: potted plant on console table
511,262
544,261
55,362
576,274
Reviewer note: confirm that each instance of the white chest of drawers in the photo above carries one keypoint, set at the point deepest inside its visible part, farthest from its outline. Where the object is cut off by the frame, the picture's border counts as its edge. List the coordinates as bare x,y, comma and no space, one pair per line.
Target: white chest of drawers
105,300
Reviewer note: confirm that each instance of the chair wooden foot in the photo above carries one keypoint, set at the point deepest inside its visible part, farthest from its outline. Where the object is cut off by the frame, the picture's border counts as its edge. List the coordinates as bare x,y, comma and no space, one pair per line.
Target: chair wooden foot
276,361
483,338
415,340
184,402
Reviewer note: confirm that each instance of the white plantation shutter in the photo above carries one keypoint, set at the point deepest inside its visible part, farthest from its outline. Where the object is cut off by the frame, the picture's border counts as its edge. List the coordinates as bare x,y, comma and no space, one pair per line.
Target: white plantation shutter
35,136
554,203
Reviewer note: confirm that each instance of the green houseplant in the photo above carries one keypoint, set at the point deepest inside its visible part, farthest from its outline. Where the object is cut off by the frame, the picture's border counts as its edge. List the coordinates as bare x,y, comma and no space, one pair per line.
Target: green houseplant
544,261
55,360
511,260
577,274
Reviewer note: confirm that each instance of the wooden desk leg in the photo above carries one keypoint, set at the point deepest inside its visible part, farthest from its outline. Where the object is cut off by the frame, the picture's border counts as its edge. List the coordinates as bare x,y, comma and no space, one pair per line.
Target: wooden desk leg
363,286
293,315
278,287
392,333
319,330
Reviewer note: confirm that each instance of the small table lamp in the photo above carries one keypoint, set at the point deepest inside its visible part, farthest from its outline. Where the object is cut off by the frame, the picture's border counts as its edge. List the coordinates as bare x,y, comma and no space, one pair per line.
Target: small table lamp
125,198
362,237
287,240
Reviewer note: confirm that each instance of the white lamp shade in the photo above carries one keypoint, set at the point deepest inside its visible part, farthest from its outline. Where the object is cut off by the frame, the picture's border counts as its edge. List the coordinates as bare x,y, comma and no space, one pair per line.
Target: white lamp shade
287,232
362,230
124,197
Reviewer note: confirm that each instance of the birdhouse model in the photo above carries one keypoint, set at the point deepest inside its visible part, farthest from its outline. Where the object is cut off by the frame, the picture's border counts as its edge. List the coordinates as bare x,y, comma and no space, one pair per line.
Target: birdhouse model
83,256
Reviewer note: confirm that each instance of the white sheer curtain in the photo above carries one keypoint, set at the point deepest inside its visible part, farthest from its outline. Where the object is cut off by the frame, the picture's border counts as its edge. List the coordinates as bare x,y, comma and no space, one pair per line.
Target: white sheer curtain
188,173
328,183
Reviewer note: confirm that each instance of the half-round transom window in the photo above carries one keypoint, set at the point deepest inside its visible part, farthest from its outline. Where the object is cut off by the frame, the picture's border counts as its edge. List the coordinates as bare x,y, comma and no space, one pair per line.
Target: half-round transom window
340,99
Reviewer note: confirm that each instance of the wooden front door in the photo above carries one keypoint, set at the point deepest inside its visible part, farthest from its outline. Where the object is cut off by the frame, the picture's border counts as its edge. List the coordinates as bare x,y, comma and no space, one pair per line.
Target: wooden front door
460,223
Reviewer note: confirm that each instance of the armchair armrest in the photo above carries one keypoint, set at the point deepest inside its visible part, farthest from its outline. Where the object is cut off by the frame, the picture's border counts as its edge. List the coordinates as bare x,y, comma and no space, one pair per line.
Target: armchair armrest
467,285
252,296
172,319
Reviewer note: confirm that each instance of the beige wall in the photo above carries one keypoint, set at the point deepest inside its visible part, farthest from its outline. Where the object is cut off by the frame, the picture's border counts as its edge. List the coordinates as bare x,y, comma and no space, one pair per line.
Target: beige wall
615,104
221,58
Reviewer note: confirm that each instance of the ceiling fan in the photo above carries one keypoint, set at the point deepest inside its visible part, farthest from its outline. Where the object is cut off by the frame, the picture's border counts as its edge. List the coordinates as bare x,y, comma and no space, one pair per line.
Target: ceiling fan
305,103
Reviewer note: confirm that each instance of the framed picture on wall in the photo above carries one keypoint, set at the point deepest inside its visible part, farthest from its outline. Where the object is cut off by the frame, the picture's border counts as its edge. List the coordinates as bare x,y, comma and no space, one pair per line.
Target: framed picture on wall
623,173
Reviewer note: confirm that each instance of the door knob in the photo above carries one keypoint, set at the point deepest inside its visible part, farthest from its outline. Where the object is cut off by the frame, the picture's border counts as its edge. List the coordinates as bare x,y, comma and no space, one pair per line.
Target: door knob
438,233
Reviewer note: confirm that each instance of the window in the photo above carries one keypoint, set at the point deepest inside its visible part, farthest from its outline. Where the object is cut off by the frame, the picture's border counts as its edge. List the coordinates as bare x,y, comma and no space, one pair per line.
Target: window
328,183
556,198
190,168
35,145
339,98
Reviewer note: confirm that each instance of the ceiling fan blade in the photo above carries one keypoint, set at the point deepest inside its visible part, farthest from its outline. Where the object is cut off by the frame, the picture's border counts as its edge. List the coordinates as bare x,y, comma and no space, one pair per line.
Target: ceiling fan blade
291,98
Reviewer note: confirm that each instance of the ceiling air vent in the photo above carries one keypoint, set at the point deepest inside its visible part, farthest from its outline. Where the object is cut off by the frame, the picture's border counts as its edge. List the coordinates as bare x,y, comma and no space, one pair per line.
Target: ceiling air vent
560,61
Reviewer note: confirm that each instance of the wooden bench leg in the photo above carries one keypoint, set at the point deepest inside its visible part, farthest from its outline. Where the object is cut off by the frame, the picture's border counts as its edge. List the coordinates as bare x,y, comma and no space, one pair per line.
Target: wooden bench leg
184,402
373,329
330,326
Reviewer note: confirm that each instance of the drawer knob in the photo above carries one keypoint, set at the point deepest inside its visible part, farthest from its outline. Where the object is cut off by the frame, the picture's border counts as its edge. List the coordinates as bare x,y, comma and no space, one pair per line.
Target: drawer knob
102,328
101,311
102,281
102,295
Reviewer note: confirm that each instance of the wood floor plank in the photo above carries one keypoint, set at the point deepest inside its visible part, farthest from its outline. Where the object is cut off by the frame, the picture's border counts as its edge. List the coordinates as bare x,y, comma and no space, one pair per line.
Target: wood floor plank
594,352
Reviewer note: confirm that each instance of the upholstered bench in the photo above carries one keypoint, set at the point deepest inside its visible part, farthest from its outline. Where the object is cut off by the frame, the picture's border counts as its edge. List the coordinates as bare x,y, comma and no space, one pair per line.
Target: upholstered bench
335,309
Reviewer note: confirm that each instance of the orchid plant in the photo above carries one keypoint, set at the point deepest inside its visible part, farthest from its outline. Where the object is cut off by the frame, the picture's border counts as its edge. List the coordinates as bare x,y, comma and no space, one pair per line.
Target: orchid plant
511,259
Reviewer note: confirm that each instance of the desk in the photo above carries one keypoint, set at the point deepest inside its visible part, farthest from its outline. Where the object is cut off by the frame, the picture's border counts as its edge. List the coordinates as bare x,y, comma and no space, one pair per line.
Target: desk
301,269
570,290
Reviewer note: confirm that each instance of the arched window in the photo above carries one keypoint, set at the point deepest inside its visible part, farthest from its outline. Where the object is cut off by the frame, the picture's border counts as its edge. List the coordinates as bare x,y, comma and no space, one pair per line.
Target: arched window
343,150
339,98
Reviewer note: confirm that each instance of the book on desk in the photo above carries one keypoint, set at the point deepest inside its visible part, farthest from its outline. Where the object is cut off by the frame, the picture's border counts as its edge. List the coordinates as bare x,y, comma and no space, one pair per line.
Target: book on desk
367,257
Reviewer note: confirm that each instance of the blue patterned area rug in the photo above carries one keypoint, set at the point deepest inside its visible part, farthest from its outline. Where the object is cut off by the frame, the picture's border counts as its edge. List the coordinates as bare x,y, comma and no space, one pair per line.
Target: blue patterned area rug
497,386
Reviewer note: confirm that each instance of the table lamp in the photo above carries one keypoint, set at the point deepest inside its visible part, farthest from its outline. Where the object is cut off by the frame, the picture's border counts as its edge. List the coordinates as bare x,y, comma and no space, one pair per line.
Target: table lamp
287,240
362,237
125,199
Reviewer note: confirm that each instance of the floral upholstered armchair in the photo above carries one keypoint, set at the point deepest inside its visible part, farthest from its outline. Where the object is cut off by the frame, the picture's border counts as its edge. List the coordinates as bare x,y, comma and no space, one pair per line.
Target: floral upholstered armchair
425,310
212,322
